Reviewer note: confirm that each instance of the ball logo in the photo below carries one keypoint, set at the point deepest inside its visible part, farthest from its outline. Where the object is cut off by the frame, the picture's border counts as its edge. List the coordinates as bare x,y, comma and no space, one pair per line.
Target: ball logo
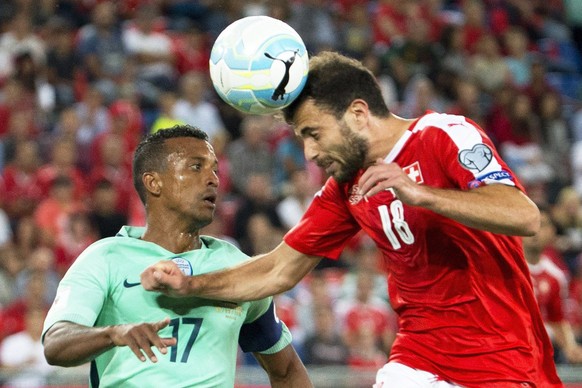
279,91
477,158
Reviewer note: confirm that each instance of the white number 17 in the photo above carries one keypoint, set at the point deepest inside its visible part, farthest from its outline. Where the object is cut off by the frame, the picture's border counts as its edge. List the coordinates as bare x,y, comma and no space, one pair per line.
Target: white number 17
394,221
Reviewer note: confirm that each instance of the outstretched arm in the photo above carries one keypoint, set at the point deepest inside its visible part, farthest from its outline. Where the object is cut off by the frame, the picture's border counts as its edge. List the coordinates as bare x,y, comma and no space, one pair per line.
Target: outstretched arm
262,276
284,368
494,208
70,344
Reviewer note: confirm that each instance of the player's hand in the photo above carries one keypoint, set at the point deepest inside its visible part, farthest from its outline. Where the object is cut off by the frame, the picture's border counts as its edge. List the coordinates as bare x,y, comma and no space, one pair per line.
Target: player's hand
141,337
389,176
165,277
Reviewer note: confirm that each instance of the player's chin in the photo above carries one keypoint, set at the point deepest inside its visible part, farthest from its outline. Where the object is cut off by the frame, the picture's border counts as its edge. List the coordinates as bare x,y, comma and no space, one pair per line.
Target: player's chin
205,217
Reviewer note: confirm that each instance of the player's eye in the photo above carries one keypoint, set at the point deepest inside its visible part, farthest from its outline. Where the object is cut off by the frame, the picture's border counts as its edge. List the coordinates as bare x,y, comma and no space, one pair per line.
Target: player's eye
196,167
314,135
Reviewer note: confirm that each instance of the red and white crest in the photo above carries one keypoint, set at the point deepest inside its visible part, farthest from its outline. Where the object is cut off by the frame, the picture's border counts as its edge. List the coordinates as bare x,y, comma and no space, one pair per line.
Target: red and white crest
414,173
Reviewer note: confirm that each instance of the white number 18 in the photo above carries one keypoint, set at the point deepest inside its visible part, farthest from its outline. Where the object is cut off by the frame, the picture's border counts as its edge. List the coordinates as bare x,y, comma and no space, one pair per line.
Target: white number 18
394,220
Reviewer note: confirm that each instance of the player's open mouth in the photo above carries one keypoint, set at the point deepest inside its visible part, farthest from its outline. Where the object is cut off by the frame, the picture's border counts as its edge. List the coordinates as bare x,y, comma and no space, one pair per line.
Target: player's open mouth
210,199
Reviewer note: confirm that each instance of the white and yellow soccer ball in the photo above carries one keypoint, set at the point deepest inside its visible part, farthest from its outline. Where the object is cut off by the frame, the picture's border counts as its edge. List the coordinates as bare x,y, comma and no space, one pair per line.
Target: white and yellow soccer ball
259,64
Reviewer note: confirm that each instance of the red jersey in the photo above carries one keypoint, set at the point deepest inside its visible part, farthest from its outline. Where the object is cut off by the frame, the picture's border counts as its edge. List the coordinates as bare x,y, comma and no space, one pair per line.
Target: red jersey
550,288
466,308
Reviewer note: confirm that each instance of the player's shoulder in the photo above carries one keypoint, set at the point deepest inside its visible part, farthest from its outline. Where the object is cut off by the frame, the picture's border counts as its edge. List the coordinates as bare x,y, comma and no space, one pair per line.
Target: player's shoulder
224,249
553,270
104,246
442,122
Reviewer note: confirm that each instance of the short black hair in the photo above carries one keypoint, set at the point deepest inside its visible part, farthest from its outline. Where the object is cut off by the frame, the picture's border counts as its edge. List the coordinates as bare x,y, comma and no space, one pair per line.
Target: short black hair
333,82
150,154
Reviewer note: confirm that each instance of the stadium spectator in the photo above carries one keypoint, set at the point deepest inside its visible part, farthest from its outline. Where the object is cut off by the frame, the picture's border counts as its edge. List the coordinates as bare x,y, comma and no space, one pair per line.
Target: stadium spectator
364,258
518,59
93,119
355,30
52,214
63,163
41,262
251,152
258,198
21,354
192,106
365,313
77,236
62,62
551,290
104,212
566,214
364,351
192,49
101,49
325,346
488,65
12,317
298,196
23,190
150,47
19,37
125,123
165,117
10,266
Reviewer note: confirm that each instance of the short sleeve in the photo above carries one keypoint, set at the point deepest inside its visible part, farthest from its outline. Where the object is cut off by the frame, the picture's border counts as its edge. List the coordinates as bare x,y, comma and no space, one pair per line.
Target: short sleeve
327,225
82,290
464,152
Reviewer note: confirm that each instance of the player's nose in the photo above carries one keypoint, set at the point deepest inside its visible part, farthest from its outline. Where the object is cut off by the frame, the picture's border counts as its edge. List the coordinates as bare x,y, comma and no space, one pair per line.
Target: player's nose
212,179
310,149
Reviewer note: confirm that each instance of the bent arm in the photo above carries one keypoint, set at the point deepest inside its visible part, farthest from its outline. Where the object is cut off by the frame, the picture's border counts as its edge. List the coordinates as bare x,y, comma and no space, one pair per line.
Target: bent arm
284,368
262,276
494,208
70,344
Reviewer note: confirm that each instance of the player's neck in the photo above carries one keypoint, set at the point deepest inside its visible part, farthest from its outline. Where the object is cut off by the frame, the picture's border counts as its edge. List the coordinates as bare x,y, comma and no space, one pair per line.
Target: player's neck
386,133
172,236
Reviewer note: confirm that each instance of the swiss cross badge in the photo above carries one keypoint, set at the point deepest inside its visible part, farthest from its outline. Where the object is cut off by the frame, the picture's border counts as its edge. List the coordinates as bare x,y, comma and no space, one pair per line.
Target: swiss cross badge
414,173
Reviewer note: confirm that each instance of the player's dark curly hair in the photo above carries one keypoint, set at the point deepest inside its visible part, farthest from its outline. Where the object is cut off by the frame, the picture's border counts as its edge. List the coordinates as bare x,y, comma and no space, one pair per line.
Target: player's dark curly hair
334,81
150,154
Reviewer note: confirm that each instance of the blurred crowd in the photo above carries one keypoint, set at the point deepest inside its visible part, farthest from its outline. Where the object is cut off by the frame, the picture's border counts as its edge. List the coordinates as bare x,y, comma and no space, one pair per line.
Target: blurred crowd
81,82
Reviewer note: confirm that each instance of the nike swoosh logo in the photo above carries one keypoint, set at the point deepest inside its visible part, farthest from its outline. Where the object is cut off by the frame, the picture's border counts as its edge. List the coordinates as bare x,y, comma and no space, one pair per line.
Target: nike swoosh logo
127,284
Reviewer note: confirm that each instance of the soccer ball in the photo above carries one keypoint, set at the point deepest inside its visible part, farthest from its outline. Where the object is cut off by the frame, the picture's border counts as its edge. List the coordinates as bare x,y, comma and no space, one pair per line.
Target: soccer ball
258,64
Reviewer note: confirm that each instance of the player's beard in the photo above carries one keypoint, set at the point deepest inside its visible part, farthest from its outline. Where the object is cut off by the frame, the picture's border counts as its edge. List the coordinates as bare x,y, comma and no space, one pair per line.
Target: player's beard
350,154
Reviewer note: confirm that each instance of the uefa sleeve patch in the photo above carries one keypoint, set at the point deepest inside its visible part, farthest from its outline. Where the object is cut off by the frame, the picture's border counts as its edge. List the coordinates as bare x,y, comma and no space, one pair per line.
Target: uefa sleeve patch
502,176
261,334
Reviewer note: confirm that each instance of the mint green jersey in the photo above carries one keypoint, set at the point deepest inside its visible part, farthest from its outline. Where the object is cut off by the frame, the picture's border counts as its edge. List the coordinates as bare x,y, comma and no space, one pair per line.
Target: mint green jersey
103,288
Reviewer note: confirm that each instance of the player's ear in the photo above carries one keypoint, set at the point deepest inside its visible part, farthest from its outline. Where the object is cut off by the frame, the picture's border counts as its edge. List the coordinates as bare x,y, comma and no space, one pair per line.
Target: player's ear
152,182
357,114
